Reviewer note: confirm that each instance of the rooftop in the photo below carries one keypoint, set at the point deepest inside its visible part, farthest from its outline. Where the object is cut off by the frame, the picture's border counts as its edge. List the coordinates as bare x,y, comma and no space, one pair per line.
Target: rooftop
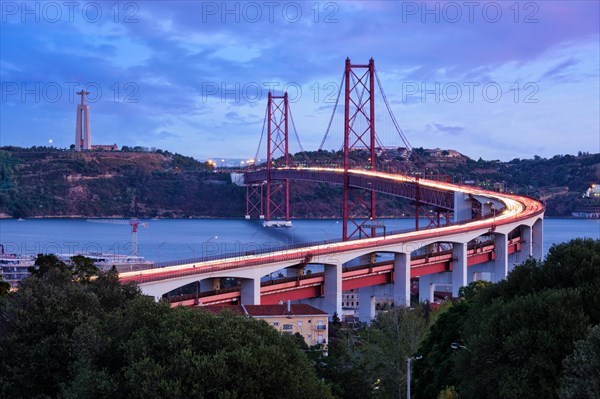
267,310
281,310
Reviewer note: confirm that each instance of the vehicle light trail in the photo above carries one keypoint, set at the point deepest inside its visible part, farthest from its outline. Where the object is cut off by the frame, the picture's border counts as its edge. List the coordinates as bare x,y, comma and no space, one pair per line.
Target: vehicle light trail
515,208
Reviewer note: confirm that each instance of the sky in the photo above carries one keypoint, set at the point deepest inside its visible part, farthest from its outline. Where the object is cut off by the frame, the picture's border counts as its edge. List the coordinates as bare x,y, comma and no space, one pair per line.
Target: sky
491,79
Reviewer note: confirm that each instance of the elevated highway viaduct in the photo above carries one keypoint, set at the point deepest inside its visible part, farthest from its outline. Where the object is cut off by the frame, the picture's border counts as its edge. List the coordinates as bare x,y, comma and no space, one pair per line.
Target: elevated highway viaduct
511,227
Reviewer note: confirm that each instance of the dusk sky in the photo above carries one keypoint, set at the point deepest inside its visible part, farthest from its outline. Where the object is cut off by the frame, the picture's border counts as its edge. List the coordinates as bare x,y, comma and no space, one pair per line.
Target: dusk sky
497,80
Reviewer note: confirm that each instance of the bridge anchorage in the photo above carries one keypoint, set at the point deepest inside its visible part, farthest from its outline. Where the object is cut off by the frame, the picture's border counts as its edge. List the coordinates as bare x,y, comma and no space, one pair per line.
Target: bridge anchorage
473,233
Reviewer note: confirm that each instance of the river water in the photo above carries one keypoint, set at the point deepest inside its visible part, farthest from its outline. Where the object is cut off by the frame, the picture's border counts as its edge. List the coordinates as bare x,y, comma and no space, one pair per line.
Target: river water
167,239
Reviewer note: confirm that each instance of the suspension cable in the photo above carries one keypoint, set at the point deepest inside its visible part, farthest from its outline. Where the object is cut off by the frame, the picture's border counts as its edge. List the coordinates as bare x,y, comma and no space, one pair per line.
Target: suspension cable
394,121
296,133
333,114
262,133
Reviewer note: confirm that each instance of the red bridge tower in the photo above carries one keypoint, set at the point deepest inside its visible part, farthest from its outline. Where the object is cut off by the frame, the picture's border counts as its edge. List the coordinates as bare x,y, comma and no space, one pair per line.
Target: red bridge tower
359,216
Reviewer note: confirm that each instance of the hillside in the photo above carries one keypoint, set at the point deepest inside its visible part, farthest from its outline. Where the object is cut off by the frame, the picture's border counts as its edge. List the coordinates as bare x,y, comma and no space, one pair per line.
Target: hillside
66,183
47,182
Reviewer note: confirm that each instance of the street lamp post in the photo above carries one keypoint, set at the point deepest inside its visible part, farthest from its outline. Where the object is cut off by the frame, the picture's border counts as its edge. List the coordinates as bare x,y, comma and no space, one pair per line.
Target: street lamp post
408,360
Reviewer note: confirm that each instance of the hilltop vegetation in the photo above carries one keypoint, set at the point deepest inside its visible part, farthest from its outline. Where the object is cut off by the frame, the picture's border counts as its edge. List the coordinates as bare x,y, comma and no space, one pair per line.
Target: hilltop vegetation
62,336
41,182
534,334
67,183
522,337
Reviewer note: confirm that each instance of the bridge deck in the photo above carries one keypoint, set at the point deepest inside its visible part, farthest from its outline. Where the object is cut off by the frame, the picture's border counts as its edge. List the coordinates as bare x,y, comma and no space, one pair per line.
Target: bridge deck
516,208
405,188
311,285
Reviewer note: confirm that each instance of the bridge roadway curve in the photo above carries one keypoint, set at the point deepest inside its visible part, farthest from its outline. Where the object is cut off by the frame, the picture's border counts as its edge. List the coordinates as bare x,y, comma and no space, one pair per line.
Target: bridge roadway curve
517,211
401,186
307,286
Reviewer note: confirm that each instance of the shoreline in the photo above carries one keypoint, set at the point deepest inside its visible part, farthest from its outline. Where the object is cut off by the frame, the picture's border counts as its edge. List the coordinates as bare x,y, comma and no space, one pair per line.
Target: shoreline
81,217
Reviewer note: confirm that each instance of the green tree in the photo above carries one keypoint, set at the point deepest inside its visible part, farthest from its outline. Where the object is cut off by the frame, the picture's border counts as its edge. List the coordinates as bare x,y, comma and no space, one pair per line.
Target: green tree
44,263
517,332
344,367
581,378
386,344
515,347
576,264
62,338
36,331
434,372
83,268
152,351
448,393
4,287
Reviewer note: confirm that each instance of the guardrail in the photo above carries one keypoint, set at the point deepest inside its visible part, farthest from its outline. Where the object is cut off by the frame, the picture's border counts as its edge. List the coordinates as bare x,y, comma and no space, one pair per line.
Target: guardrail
299,255
287,247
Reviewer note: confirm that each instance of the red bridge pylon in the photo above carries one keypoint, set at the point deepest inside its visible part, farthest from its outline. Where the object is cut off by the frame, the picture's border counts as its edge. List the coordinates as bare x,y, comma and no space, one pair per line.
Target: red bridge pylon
273,196
359,213
278,191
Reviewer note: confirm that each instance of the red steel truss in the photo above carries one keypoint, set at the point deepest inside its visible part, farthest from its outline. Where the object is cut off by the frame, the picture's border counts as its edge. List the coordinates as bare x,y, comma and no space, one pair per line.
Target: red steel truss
278,191
433,214
254,200
359,134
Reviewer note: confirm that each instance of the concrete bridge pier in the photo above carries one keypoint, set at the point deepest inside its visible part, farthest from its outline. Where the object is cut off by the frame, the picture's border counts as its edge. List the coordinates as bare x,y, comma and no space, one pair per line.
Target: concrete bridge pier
459,267
500,267
537,240
430,283
294,271
366,305
210,284
480,272
250,291
401,293
525,252
463,207
331,302
368,295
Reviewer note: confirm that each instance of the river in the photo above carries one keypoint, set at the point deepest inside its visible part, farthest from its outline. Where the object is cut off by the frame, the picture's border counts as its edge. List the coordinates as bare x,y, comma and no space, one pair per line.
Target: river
173,239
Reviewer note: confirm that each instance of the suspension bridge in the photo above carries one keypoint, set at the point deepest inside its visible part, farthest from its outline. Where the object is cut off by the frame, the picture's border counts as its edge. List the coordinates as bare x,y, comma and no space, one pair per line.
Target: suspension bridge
472,233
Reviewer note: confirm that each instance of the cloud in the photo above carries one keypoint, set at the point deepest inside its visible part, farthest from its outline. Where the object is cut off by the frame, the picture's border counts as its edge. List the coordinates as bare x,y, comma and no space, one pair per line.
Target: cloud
154,72
163,135
452,130
556,72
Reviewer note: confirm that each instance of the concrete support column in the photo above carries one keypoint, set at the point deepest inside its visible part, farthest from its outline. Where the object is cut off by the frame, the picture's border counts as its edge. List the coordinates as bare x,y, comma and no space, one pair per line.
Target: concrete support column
486,209
462,207
525,251
401,292
501,262
294,272
331,301
210,284
250,294
426,288
537,240
366,304
459,267
488,205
